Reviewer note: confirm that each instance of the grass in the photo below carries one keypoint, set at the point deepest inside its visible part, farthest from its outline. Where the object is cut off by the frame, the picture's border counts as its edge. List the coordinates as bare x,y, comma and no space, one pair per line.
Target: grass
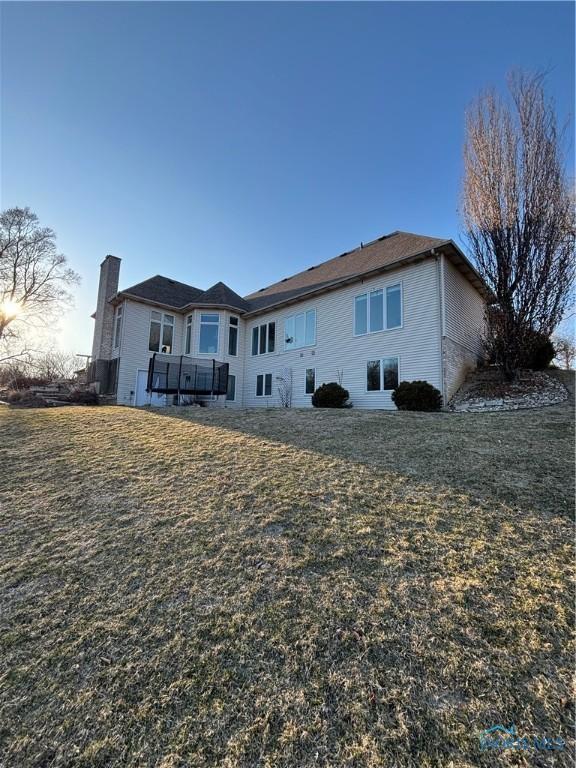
271,588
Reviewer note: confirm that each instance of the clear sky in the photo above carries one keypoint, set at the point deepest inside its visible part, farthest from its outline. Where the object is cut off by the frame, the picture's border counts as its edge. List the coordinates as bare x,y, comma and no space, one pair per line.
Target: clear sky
243,142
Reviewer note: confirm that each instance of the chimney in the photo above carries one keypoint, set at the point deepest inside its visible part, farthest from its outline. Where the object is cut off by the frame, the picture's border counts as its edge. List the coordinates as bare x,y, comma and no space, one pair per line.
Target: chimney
104,316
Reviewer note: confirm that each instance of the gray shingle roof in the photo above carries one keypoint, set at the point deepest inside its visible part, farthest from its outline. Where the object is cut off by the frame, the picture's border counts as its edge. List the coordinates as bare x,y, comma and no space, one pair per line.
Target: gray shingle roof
220,295
164,291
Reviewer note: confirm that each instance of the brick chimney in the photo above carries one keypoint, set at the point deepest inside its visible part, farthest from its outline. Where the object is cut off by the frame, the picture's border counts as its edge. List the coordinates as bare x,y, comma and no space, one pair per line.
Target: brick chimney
104,316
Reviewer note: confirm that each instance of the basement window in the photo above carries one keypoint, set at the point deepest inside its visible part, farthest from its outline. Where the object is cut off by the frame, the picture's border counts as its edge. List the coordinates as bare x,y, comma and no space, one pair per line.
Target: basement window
382,375
264,385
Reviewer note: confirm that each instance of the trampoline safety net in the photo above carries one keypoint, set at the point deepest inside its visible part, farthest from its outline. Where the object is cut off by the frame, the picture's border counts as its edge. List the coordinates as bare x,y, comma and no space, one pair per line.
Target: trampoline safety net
179,374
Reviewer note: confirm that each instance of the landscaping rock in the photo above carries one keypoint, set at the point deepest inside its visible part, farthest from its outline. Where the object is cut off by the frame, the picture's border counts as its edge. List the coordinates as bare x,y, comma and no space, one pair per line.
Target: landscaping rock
485,391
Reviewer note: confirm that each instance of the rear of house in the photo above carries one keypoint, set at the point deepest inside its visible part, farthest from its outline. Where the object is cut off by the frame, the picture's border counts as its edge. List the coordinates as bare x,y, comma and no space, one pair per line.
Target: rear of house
404,307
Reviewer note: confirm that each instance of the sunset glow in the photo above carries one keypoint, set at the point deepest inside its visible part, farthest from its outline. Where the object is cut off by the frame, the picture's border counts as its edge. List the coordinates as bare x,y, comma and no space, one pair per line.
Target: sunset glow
10,309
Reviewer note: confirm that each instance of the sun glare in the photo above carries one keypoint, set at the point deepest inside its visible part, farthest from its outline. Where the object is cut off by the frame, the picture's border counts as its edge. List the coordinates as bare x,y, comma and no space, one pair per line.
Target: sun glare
10,308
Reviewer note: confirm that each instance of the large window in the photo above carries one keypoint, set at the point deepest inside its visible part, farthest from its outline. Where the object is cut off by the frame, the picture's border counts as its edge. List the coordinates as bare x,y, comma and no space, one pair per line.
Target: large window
118,326
209,327
382,375
188,337
300,330
161,333
231,391
378,310
263,338
310,381
264,385
233,336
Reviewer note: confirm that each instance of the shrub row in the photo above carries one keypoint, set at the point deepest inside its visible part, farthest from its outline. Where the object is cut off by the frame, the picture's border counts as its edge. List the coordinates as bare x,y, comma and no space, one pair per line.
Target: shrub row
408,396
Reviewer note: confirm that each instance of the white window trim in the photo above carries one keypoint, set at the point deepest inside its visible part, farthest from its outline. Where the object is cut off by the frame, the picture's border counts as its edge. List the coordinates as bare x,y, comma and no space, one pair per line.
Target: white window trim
268,373
200,324
380,391
309,394
232,399
161,321
117,337
188,322
295,314
267,323
367,293
237,326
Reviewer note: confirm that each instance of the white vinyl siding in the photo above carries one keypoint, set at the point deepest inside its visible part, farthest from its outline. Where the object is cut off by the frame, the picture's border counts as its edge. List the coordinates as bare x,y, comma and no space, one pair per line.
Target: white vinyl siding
339,352
464,323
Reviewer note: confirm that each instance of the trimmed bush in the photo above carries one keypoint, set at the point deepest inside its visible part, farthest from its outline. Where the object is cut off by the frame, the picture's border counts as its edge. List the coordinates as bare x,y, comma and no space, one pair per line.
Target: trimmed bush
330,395
84,397
416,396
539,352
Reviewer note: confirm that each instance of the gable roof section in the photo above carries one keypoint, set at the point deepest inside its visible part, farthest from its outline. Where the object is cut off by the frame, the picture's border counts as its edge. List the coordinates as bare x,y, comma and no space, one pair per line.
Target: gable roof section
220,295
162,290
387,250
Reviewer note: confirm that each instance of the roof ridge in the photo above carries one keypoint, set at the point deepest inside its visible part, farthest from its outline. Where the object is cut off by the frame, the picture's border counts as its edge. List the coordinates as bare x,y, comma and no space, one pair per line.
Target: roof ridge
360,247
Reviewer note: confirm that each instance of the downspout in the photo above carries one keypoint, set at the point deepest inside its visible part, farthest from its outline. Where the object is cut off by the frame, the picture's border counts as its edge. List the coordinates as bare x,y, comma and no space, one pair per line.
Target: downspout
440,274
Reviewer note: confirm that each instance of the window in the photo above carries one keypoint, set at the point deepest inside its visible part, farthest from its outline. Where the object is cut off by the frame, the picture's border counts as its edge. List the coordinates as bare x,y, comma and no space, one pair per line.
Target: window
382,375
233,337
310,381
393,307
263,338
161,333
117,326
188,337
300,330
231,391
209,327
264,385
378,310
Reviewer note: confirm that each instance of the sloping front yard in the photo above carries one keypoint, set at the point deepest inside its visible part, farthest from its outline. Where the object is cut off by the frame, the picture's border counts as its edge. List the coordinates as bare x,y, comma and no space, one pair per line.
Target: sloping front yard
203,588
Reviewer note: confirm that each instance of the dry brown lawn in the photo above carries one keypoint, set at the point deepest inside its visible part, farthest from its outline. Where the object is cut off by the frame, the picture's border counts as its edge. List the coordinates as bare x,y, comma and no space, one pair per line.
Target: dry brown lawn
283,588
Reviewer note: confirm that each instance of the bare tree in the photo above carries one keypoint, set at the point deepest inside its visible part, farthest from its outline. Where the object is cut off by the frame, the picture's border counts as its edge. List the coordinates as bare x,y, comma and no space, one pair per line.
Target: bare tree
284,379
519,215
565,350
34,277
53,365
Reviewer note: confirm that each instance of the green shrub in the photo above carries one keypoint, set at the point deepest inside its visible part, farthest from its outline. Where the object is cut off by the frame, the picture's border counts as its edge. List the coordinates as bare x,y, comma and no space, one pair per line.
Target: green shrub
416,396
330,395
84,397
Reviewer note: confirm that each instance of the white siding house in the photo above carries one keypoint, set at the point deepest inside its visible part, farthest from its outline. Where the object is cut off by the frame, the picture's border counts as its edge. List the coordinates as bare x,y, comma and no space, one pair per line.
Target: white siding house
402,308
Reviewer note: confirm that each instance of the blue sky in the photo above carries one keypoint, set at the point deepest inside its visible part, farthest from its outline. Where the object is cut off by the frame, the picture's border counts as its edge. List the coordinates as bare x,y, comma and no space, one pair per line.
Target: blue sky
243,142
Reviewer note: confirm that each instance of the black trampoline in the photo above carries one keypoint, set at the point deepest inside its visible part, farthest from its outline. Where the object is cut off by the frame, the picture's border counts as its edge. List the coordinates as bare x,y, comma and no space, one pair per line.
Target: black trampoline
182,375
